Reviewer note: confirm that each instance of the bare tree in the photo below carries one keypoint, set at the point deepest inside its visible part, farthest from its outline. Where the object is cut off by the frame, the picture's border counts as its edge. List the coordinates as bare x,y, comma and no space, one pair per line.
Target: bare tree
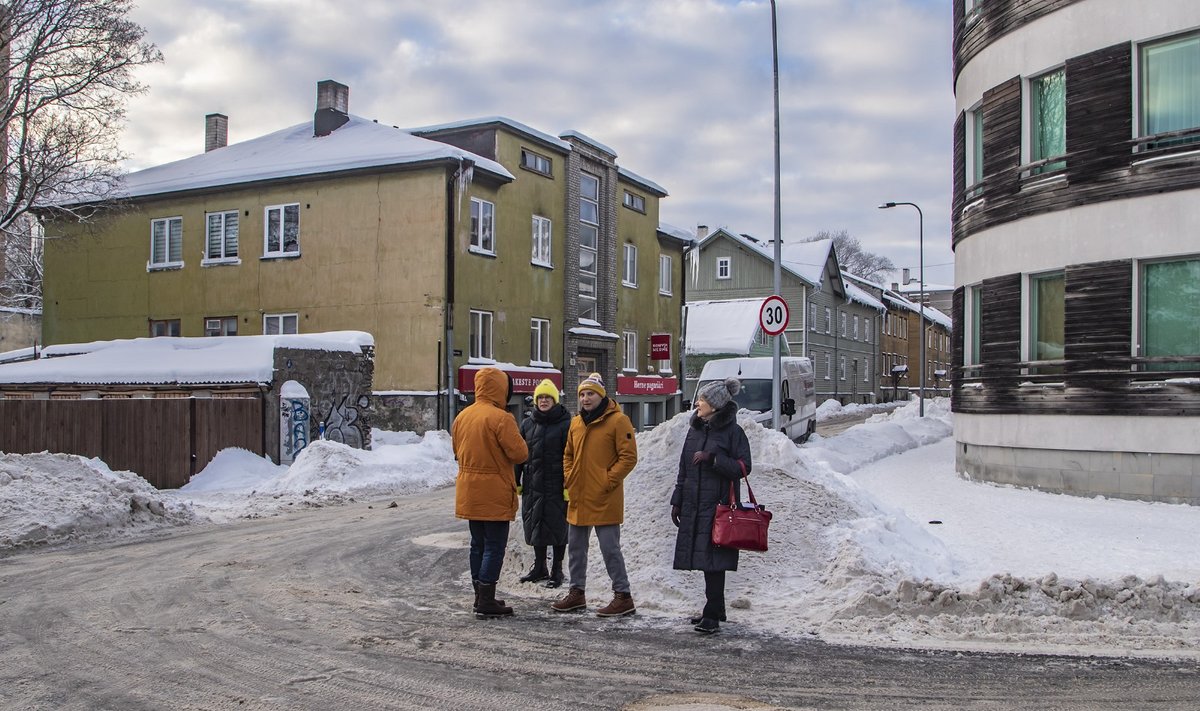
65,76
853,258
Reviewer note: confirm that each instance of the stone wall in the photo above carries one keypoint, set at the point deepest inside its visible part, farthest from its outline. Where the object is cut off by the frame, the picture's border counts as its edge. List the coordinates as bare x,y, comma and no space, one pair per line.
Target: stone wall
404,413
339,387
19,328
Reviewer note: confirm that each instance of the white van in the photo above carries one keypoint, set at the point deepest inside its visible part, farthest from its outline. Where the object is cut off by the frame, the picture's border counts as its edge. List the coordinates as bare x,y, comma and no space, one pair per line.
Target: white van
798,410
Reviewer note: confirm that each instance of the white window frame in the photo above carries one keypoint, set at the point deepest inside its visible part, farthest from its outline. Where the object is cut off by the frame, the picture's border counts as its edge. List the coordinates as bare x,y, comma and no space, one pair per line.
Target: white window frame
724,267
166,325
828,320
282,210
866,368
841,367
828,366
843,329
483,227
868,327
481,335
665,274
854,333
166,262
630,344
223,257
220,324
539,342
589,305
281,321
629,273
542,237
812,316
634,202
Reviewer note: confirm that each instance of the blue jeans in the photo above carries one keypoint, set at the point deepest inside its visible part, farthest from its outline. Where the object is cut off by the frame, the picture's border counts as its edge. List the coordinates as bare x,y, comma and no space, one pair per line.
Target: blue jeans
488,540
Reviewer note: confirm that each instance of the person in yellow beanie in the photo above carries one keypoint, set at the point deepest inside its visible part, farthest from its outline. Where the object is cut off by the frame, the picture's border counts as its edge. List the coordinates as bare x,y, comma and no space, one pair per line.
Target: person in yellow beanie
601,451
540,481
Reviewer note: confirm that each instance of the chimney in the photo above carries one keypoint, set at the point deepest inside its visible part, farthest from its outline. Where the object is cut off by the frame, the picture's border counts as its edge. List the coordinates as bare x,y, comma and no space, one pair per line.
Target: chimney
906,278
333,107
701,232
216,131
895,287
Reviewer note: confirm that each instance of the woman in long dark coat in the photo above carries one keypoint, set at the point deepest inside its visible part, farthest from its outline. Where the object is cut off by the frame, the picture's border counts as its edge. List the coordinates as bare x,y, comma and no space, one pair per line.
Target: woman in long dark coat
714,453
540,479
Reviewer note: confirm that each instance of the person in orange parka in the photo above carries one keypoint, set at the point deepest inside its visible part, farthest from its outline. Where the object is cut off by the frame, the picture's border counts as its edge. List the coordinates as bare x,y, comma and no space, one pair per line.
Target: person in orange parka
487,445
601,451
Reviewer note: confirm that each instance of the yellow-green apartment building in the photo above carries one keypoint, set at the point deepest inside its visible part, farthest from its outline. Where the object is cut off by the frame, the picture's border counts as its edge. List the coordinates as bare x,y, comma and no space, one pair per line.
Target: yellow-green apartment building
476,243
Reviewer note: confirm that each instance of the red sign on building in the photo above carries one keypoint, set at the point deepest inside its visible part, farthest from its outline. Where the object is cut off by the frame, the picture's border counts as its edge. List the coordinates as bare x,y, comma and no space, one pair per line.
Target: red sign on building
524,380
646,385
660,346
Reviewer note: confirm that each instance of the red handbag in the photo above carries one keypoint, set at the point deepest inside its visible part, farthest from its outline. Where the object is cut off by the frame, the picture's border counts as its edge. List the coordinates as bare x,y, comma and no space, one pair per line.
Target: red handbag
741,526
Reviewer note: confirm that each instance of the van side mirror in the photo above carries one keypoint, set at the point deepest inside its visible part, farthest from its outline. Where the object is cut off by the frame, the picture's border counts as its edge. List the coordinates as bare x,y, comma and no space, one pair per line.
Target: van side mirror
686,404
788,407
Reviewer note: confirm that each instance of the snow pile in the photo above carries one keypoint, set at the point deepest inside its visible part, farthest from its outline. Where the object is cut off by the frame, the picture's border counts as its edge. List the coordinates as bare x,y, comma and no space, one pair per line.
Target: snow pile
831,409
53,498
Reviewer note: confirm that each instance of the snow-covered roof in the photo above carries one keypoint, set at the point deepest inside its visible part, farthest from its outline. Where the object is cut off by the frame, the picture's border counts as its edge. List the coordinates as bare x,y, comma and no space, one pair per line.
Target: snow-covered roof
677,232
854,293
650,185
491,120
162,361
588,140
293,152
914,287
804,260
726,326
931,313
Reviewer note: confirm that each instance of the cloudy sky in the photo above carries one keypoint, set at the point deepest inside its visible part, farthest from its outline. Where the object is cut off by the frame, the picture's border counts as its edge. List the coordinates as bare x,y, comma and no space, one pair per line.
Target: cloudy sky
680,89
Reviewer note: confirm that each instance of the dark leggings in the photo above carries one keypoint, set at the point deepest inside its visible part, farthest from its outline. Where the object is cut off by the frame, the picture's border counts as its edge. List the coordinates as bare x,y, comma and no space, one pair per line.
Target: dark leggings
714,593
539,553
488,539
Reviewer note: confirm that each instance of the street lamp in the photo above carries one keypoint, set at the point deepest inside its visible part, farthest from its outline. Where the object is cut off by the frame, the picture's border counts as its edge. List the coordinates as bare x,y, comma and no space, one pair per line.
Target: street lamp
921,258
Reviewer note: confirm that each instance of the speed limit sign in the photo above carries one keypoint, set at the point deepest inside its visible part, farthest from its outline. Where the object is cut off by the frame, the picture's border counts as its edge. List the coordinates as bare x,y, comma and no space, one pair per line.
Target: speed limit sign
773,316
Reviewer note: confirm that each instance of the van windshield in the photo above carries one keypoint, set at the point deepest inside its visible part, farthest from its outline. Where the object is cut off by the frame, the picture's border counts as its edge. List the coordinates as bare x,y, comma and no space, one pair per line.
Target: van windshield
755,394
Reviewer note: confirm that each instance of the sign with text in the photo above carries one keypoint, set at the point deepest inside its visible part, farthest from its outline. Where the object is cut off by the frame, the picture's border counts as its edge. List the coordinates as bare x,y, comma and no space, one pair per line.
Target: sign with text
660,346
773,317
525,380
646,385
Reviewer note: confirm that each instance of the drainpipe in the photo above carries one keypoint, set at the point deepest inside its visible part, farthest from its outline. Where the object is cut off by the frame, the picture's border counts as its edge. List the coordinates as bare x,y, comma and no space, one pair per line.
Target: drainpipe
452,196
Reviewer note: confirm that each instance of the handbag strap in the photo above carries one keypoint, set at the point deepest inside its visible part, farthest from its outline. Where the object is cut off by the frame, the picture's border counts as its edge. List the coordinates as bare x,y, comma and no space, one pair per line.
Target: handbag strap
749,491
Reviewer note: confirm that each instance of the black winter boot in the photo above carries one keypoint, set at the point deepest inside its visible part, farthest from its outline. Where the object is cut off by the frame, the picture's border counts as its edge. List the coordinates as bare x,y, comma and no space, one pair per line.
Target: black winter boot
489,606
475,607
556,576
538,571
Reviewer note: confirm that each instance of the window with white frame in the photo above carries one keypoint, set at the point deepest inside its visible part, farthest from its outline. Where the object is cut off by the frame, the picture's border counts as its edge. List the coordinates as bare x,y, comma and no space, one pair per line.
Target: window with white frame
1169,302
854,333
483,226
664,274
828,320
841,367
541,241
1047,120
281,230
220,326
280,324
536,162
973,130
1169,88
866,369
481,334
829,366
589,244
166,242
634,201
164,327
631,350
629,276
221,241
812,316
724,267
842,324
539,341
868,327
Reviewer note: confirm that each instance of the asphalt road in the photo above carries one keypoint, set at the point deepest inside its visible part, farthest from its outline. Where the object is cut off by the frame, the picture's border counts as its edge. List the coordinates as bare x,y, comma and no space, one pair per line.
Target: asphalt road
367,607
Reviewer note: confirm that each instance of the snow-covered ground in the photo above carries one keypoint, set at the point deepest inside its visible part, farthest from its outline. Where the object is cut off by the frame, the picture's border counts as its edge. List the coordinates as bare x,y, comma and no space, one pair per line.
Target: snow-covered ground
875,538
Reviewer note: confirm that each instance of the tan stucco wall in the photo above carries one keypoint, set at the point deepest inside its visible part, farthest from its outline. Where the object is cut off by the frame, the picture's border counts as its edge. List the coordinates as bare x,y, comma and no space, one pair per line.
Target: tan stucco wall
372,259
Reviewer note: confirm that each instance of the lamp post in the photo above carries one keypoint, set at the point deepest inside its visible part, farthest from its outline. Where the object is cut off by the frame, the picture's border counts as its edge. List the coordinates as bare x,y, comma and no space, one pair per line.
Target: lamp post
921,277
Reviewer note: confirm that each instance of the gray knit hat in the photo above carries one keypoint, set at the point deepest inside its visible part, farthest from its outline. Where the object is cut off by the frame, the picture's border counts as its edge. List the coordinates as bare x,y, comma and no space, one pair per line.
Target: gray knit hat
720,392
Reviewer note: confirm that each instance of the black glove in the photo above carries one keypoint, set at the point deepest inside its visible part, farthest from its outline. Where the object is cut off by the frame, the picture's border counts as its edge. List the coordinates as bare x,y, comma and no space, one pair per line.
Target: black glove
675,516
701,456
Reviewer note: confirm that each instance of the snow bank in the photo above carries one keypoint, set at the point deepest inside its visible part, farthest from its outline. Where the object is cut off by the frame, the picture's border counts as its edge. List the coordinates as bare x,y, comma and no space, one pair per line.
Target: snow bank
52,498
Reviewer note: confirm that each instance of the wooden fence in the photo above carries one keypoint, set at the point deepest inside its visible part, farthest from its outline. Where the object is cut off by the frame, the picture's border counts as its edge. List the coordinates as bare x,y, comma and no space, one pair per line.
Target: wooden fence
165,441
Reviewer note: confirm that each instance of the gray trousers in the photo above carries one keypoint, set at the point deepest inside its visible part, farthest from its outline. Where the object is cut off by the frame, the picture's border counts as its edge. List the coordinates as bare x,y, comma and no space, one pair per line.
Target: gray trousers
609,538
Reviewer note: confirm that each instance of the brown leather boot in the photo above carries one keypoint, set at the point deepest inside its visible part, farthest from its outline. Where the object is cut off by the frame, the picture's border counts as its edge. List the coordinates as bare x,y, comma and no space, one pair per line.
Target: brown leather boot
574,600
622,604
475,606
488,605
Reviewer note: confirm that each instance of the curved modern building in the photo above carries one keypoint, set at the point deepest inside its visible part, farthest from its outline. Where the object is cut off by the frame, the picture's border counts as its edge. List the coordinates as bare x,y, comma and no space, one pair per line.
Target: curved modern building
1076,229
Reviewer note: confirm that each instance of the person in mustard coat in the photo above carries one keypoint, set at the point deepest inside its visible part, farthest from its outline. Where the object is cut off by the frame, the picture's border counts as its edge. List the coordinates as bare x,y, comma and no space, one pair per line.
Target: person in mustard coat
600,452
487,445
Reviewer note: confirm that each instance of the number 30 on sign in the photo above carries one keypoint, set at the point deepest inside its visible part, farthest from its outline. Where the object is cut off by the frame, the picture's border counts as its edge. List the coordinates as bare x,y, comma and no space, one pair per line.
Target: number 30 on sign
773,316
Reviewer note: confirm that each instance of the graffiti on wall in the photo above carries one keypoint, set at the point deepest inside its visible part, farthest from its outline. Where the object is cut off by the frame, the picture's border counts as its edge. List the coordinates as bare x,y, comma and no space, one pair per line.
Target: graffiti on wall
344,421
294,421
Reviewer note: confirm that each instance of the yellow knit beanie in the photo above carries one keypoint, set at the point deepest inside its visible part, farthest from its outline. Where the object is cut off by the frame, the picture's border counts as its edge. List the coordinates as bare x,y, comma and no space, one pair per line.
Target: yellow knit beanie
546,387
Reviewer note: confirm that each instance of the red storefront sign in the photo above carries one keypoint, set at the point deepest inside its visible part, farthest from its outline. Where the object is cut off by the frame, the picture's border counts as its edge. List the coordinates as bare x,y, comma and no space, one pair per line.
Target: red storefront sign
524,380
646,385
660,346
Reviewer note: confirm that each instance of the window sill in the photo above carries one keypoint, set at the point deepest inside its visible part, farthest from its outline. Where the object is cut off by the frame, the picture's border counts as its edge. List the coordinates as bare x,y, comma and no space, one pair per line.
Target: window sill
633,371
220,262
164,267
665,293
628,284
480,251
543,265
280,255
476,360
1187,158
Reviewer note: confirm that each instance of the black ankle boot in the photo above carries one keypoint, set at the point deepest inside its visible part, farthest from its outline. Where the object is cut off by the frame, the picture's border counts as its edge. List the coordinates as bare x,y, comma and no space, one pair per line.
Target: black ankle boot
556,576
536,573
